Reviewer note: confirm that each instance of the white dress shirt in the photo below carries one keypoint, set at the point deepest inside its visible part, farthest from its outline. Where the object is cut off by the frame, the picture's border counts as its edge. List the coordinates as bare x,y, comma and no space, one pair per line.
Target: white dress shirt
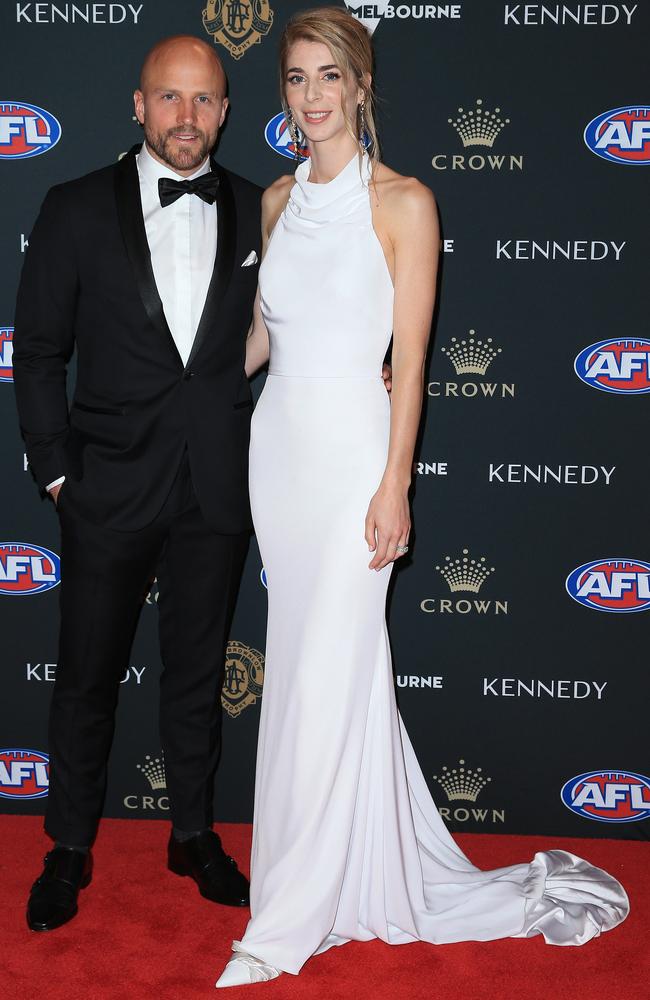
182,238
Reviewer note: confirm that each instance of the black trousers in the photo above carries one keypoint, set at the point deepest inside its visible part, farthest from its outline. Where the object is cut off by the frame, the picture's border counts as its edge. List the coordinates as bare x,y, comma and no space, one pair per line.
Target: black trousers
104,579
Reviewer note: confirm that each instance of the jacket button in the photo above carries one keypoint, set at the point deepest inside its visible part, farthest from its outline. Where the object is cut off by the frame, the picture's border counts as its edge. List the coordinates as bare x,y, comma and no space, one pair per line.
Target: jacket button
187,376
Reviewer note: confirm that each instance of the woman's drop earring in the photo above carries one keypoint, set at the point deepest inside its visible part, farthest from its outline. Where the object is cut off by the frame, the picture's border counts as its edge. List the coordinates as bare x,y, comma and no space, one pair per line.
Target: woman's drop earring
363,138
294,133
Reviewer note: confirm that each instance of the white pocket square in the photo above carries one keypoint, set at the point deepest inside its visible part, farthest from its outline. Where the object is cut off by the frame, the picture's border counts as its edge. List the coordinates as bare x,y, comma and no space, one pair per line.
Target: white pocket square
251,259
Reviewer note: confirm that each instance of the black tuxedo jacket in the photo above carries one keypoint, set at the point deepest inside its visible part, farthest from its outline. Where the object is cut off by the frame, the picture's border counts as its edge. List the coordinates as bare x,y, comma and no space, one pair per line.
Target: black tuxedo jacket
88,282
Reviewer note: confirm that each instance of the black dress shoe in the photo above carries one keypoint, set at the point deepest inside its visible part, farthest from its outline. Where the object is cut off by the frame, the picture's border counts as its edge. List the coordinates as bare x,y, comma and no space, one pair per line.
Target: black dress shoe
216,874
53,899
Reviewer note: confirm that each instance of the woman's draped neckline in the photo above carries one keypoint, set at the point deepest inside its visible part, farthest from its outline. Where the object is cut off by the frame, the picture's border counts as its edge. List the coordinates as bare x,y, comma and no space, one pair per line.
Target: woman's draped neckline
334,200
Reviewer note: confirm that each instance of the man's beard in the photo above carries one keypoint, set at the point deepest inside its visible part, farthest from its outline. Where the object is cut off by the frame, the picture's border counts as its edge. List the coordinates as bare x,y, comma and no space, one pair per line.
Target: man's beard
180,158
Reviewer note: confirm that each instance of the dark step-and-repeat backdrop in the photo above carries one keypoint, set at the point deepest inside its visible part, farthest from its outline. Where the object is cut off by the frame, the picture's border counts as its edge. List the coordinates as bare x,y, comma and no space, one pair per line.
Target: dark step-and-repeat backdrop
520,623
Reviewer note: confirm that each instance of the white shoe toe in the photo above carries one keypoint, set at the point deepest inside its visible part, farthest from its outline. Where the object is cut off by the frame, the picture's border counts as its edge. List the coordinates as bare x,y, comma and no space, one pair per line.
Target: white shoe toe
236,973
243,969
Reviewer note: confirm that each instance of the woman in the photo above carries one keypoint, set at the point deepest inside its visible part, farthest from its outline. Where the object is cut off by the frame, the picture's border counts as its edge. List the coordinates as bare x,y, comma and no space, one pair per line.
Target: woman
347,841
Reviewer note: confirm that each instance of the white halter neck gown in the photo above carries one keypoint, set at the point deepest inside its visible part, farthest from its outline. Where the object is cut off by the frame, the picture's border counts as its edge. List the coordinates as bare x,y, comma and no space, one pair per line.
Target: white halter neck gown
348,843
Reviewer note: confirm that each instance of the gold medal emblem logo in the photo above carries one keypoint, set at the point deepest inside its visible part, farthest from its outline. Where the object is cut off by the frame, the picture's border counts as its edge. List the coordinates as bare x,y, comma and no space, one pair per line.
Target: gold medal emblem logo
237,24
243,680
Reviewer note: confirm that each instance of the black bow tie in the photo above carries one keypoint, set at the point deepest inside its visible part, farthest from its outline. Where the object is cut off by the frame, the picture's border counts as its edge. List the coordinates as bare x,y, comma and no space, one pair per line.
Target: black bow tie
204,186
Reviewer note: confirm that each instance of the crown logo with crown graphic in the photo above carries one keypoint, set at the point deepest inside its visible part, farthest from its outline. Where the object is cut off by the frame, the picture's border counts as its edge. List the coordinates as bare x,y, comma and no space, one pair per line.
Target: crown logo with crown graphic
465,573
154,771
462,782
478,127
472,356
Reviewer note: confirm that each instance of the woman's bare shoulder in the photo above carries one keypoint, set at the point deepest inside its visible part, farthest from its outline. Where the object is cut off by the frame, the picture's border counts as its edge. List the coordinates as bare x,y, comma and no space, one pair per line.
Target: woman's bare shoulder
274,200
398,193
277,193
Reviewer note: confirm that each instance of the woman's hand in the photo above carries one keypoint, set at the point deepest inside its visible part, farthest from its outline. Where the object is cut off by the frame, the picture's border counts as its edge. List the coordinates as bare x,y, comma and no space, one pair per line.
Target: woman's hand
388,525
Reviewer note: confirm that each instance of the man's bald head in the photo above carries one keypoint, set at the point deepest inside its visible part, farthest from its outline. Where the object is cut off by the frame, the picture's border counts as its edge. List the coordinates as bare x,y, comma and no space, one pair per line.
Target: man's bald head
181,101
181,49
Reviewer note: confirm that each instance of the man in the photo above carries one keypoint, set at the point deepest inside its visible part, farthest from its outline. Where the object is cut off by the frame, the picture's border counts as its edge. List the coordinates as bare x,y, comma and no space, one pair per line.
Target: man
149,268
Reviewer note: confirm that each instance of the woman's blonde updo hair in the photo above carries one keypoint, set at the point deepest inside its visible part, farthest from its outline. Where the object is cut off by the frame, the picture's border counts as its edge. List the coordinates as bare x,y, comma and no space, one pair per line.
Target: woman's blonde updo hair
349,42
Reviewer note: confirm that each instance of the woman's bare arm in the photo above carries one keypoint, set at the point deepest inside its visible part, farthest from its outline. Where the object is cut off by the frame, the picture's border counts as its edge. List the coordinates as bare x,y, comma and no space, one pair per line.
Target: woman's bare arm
408,219
274,200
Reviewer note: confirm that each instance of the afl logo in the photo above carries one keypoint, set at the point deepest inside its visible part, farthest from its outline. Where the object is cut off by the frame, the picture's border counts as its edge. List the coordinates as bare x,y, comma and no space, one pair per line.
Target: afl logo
26,130
24,774
621,365
27,569
618,585
621,135
6,354
278,137
264,578
608,796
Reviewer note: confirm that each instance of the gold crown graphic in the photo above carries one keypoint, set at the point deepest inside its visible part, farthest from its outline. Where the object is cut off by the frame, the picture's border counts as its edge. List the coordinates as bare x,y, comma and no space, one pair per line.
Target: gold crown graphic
465,573
471,357
154,771
478,127
462,782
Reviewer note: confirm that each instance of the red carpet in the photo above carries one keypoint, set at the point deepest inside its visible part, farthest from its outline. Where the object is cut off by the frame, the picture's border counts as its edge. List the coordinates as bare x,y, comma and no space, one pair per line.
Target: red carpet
144,934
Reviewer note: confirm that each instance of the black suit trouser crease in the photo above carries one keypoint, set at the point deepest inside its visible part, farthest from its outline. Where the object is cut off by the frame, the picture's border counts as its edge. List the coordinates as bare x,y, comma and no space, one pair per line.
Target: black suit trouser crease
105,574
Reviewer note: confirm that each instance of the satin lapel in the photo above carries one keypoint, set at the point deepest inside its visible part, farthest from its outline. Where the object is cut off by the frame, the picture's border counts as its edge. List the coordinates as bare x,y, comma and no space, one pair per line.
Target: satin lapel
129,213
226,238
